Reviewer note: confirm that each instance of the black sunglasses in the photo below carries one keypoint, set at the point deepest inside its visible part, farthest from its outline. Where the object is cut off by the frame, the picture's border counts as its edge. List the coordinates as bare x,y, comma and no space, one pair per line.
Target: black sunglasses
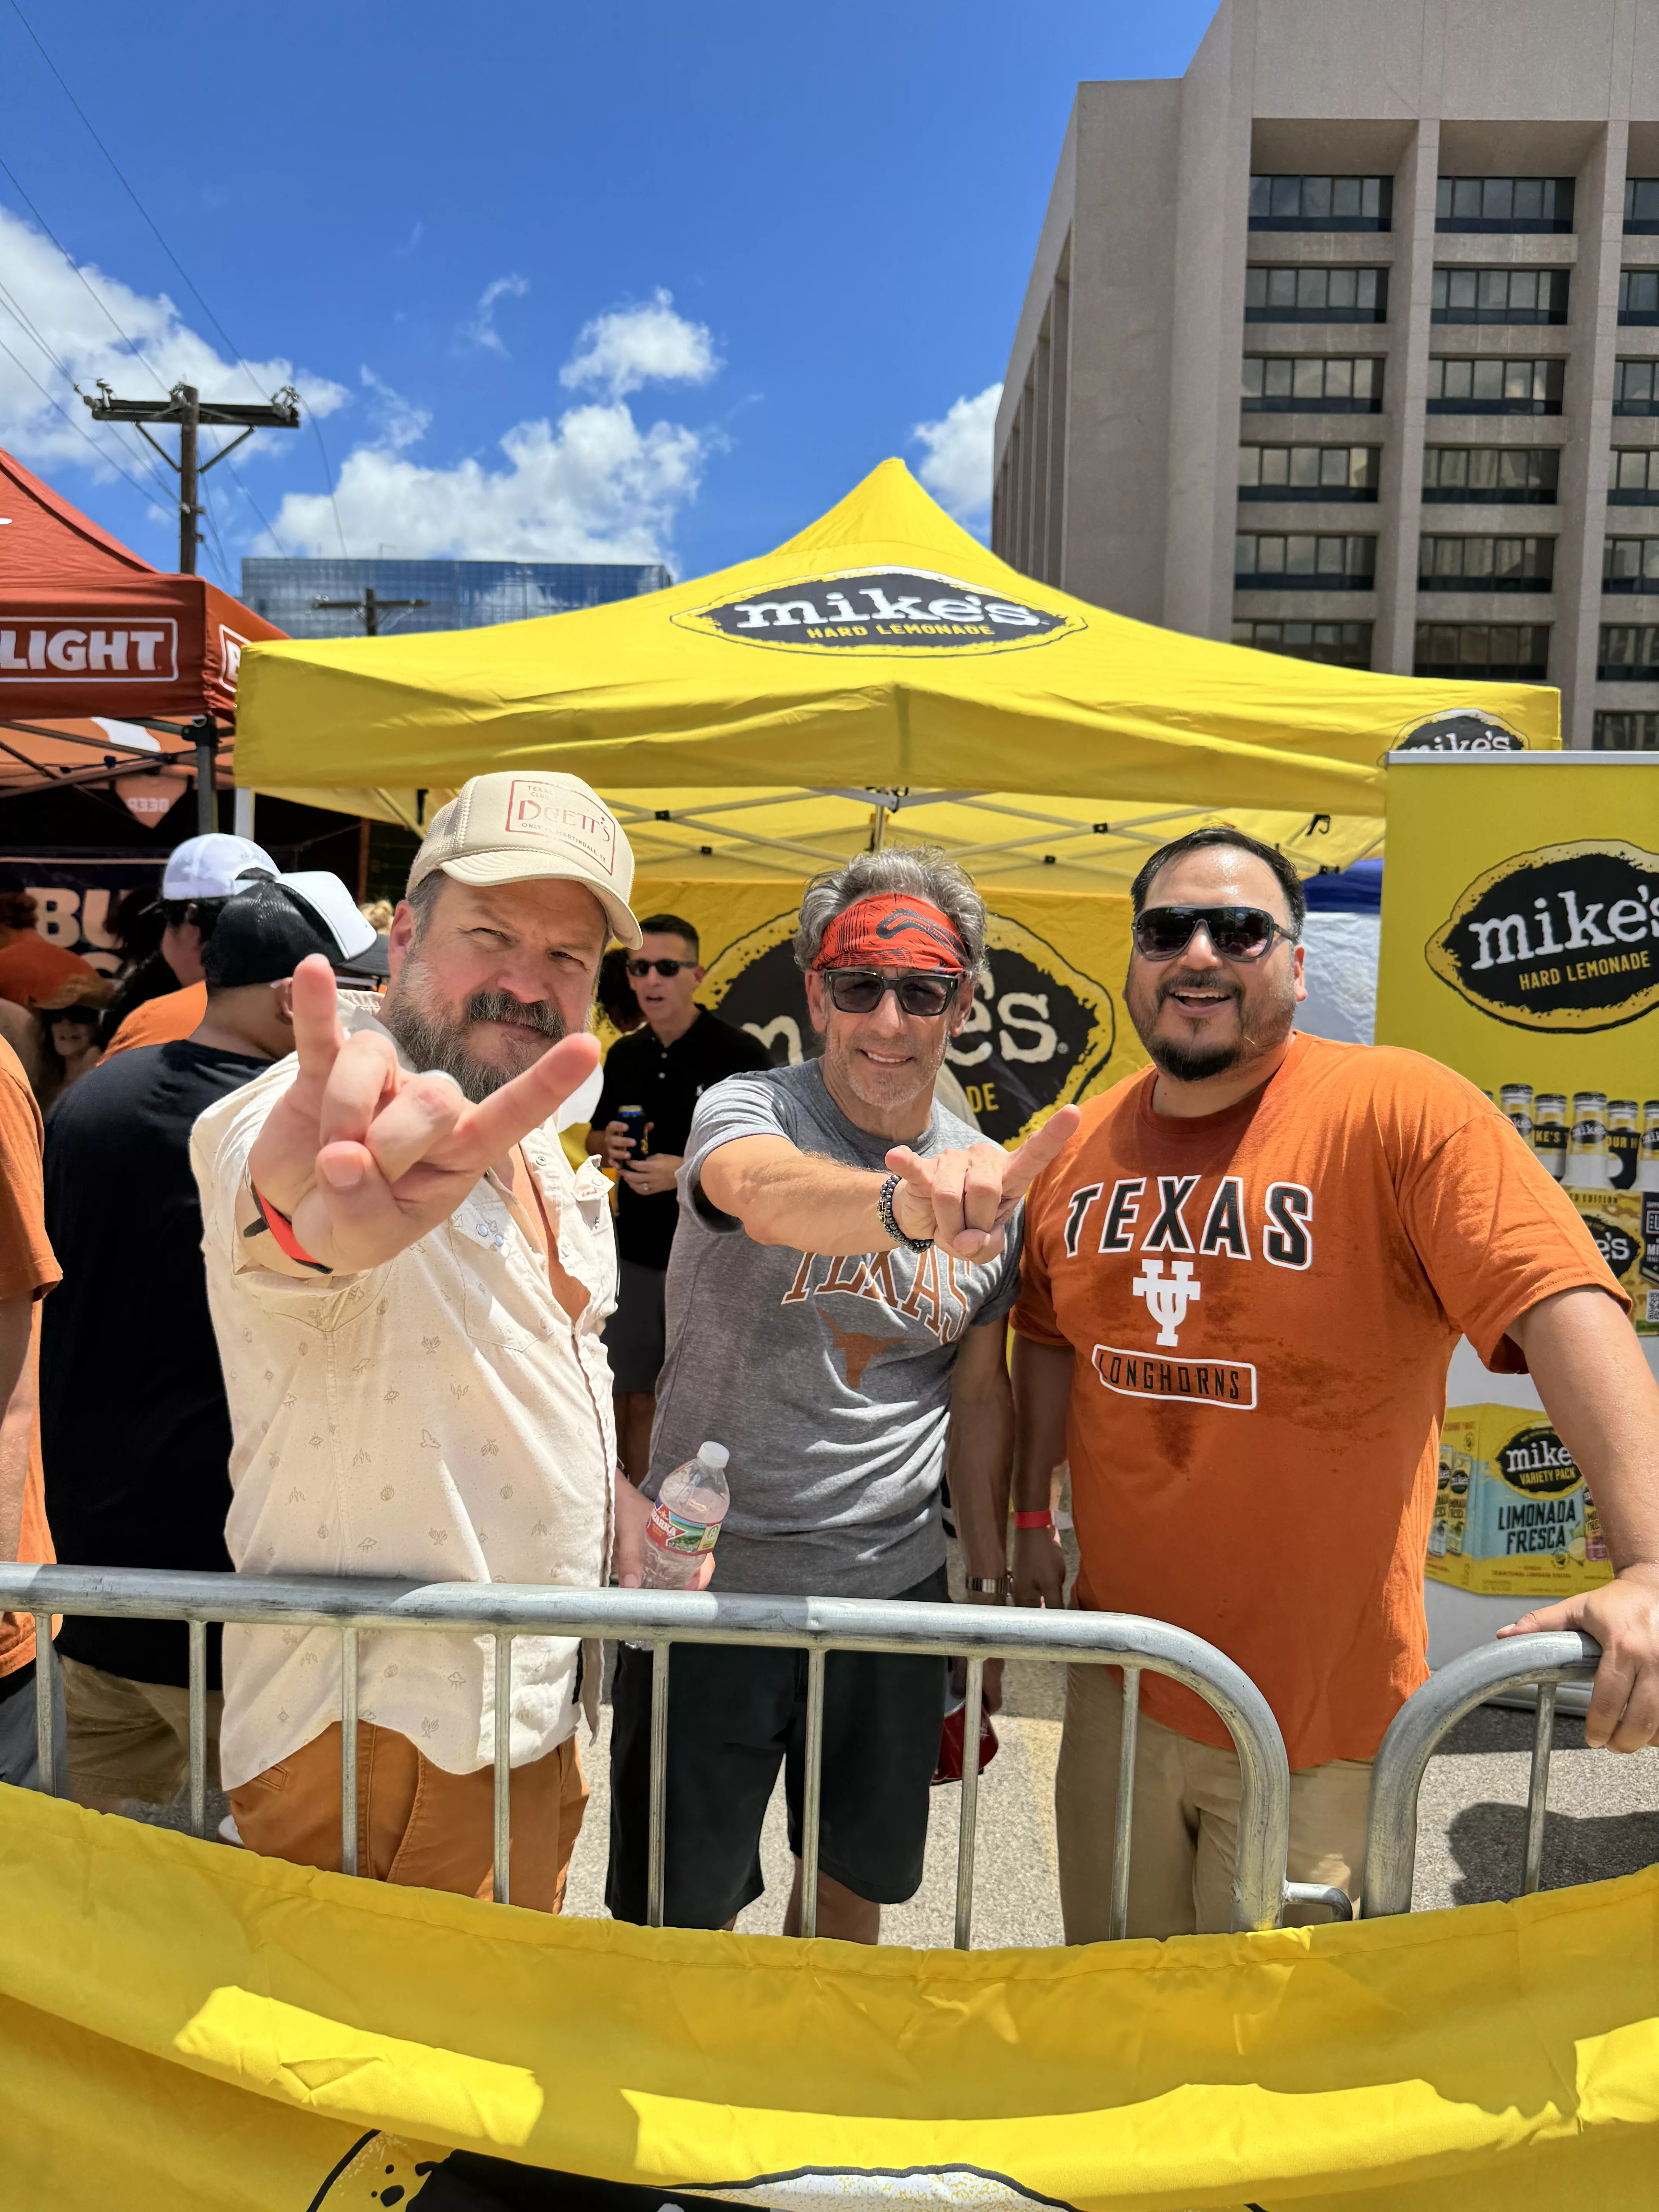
1236,932
918,991
662,967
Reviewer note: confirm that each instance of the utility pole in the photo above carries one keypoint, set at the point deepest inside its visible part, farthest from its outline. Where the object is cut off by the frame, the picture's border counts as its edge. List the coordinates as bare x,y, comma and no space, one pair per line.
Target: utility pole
371,607
185,408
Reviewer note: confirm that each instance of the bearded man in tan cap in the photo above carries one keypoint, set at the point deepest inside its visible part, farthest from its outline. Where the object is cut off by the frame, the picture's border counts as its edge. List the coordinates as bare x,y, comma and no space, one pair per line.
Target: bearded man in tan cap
408,1283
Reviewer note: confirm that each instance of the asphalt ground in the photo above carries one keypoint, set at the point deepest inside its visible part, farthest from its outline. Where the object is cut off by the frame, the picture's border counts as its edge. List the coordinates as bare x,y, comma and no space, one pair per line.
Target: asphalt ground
1603,1820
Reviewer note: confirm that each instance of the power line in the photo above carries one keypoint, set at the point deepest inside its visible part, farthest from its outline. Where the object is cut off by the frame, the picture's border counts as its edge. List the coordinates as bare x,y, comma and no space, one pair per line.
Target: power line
101,304
328,478
10,305
133,197
147,493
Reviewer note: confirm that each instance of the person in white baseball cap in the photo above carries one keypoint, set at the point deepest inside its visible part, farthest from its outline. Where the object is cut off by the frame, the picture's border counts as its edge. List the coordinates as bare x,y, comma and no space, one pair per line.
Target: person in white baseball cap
391,1225
200,875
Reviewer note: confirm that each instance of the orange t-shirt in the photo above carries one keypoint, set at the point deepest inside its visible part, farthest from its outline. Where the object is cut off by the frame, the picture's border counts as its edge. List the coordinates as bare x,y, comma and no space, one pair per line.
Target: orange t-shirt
167,1020
1263,1304
31,969
27,1269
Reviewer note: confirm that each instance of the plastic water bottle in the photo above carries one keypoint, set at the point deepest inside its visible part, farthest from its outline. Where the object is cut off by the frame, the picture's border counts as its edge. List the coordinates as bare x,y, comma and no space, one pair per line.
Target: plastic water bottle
685,1521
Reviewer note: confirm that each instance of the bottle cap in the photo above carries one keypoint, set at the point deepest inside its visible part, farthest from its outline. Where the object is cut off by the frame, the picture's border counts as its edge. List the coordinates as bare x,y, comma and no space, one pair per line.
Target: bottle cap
715,1456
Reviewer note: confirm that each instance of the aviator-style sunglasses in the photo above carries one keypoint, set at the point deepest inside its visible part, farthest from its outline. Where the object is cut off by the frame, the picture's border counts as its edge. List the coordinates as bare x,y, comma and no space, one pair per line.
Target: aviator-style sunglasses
918,991
1236,932
662,967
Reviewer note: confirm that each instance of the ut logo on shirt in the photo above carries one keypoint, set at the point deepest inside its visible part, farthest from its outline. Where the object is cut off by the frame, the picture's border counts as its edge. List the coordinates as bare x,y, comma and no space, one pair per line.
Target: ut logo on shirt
1173,1215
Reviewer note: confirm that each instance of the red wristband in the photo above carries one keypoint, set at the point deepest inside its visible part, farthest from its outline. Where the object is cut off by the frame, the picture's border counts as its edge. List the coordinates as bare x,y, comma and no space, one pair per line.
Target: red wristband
1043,1520
282,1229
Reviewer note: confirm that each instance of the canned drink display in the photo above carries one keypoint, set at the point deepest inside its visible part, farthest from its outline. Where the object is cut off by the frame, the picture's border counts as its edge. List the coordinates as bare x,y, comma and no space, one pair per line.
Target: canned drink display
1587,1161
1549,1130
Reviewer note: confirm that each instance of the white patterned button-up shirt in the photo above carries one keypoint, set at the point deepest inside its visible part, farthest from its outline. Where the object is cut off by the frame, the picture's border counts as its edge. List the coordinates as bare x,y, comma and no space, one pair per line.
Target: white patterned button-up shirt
440,1418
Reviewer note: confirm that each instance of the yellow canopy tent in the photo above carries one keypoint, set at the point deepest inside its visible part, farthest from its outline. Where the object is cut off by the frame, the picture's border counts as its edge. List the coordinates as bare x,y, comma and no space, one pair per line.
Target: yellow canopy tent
770,719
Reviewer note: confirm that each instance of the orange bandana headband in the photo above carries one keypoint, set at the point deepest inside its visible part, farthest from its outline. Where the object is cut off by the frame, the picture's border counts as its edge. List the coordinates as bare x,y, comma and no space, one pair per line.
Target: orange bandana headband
891,929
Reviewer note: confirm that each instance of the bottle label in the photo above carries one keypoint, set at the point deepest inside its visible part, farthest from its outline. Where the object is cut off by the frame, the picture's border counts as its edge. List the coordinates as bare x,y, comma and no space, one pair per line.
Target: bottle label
670,1533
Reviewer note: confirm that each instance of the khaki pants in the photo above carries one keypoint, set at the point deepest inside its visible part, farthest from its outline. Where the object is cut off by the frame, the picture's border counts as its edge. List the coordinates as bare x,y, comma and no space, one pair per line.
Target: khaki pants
131,1740
417,1824
1185,1822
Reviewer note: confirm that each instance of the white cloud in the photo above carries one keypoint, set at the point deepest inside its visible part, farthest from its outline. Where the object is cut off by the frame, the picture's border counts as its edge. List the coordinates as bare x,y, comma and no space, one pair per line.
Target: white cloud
634,346
958,469
592,487
50,314
480,329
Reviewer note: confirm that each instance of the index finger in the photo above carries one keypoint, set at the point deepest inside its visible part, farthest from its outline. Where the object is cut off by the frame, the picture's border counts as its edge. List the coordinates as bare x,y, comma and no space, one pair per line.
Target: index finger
318,1034
1035,1154
493,1127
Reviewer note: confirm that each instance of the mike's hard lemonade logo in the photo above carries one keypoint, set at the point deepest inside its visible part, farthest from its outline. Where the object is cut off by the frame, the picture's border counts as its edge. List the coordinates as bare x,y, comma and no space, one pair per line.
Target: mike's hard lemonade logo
1565,937
1466,730
882,611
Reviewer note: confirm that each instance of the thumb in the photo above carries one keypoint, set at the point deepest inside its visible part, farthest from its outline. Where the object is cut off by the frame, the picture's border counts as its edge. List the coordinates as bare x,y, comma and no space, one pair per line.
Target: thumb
1547,1620
913,1168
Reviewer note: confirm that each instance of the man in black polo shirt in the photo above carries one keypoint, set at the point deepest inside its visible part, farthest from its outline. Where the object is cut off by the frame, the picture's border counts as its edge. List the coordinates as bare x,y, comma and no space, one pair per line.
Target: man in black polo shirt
663,1067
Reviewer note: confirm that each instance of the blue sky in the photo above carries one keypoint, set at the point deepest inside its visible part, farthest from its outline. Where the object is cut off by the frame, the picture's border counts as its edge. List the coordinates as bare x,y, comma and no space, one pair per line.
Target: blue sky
560,282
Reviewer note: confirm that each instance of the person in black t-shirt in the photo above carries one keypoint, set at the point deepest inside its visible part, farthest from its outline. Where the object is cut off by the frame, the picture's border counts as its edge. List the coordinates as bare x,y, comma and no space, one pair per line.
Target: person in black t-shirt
134,1428
664,1068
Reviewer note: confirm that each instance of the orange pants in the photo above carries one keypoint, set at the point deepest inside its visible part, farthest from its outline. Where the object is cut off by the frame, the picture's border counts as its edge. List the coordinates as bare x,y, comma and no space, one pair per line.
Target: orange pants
417,1824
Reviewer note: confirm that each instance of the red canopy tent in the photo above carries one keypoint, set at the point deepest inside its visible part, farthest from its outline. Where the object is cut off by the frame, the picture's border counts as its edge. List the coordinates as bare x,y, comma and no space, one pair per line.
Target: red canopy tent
88,628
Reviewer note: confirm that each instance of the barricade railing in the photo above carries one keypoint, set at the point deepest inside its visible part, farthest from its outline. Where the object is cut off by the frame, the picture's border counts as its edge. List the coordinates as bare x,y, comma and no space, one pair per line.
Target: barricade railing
661,1619
1518,1663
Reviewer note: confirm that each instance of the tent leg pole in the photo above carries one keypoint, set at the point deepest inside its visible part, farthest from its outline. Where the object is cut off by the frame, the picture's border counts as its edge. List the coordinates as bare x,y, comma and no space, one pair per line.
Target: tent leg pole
207,801
242,820
879,829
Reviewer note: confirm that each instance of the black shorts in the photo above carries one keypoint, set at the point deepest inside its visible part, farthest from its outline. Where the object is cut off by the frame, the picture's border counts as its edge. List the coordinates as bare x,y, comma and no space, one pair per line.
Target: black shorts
634,1335
734,1713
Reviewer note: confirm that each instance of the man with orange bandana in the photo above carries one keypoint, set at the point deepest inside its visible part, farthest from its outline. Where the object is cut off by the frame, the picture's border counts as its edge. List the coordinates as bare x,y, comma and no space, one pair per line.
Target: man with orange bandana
844,1261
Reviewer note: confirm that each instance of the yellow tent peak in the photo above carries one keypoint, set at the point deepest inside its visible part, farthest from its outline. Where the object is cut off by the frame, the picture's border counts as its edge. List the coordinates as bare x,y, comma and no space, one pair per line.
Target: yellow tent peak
889,509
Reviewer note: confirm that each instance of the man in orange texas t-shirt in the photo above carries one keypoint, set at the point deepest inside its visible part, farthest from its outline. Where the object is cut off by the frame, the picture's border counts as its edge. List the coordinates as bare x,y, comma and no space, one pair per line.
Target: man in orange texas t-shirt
1243,1280
27,1272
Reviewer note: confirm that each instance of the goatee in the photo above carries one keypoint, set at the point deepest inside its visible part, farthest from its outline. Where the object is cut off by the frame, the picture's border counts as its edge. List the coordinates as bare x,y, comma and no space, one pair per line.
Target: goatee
438,1043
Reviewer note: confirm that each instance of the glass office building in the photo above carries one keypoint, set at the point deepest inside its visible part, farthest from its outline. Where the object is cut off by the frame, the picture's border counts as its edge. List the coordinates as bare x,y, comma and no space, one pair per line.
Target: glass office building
458,594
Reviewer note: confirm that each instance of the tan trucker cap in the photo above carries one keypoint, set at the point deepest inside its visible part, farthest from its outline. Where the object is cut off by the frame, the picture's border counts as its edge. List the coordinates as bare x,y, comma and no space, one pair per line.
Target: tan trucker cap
510,829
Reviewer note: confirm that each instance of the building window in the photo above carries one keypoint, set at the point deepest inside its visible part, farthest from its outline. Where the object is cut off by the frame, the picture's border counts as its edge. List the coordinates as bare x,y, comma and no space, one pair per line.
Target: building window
1617,732
1342,644
1491,475
1264,562
1513,652
1639,296
1628,653
1309,471
1636,387
1484,564
1633,479
1630,564
1321,203
1641,204
1503,204
1458,386
1286,384
1500,295
1315,296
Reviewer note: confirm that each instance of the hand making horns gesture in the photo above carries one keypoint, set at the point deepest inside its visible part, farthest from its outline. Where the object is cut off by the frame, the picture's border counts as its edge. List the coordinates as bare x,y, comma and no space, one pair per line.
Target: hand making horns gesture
364,1157
961,1199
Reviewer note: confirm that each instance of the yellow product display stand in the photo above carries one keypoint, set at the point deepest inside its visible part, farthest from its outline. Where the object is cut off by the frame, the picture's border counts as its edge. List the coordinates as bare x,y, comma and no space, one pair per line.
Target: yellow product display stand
189,2027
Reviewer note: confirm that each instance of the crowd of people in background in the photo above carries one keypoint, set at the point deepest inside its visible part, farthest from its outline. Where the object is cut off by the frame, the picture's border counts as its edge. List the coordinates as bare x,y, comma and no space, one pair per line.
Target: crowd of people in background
351,1260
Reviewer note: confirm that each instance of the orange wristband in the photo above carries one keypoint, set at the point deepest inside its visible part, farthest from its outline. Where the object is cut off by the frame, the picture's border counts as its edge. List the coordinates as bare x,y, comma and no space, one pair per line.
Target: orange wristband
282,1229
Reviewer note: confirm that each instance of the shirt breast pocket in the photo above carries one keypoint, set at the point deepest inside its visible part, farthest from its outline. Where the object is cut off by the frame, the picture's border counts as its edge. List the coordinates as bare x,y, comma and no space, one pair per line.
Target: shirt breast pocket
507,1298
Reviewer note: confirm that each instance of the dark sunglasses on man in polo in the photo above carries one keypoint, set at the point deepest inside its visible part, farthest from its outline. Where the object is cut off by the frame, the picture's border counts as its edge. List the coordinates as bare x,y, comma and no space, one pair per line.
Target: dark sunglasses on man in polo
925,990
662,967
1236,932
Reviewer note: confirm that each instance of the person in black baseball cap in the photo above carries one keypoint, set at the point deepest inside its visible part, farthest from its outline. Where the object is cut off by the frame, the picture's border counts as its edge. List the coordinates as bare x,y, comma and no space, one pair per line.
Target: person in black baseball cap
135,1431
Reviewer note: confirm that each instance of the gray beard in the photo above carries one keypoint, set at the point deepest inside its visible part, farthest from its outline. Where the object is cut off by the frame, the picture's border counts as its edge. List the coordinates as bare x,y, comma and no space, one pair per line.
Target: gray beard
437,1045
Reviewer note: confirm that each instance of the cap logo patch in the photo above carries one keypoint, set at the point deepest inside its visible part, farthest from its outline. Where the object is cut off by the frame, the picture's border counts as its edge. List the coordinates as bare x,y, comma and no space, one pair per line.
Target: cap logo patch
549,813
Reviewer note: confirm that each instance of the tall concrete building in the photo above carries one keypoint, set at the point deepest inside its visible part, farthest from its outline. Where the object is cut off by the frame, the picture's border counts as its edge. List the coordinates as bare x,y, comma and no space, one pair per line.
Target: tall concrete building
1346,344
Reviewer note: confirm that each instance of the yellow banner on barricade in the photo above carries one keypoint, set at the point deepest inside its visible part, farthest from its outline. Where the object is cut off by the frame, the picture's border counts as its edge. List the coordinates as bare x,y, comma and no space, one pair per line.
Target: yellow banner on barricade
188,2027
1050,1030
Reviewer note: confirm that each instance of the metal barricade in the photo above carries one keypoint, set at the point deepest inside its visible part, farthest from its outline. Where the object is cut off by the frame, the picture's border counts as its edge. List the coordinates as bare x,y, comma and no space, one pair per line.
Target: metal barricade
662,1619
1517,1662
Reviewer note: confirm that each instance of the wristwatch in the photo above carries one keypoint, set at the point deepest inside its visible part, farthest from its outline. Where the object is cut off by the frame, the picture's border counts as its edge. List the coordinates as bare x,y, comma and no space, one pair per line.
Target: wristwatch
989,1585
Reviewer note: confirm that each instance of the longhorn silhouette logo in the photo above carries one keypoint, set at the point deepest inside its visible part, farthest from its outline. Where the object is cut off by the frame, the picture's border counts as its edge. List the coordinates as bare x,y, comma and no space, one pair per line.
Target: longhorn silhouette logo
1167,1299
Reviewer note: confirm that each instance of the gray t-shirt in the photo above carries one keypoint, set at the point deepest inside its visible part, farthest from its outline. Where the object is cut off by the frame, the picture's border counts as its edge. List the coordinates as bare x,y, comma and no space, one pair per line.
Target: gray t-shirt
829,1380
